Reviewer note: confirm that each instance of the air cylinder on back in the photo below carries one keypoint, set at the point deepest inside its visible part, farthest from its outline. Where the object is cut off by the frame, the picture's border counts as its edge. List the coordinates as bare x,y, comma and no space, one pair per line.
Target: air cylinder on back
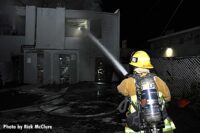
151,108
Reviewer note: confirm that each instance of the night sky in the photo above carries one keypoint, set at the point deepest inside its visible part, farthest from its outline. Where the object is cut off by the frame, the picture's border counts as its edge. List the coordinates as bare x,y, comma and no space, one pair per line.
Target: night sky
146,19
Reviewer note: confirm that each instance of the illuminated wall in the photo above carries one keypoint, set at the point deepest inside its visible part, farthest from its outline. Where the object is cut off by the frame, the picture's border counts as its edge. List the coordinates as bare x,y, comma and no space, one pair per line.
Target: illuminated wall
58,31
183,43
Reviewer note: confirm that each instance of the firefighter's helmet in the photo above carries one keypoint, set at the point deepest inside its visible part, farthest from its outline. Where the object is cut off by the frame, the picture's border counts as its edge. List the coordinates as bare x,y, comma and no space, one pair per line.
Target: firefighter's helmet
141,59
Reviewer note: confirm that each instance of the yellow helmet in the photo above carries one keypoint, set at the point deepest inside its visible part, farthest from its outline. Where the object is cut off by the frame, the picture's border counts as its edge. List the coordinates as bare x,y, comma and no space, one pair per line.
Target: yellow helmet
141,59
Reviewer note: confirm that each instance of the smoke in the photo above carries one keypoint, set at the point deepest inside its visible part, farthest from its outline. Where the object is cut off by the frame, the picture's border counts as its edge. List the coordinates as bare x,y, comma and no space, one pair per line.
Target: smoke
11,23
7,17
94,5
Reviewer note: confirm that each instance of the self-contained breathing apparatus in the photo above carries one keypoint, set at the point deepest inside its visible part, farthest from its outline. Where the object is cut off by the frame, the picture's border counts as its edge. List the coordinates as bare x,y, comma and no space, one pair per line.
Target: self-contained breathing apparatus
152,115
149,114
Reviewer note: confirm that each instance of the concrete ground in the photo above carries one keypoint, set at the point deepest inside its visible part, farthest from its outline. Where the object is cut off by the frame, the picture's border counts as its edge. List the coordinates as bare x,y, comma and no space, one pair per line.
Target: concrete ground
85,107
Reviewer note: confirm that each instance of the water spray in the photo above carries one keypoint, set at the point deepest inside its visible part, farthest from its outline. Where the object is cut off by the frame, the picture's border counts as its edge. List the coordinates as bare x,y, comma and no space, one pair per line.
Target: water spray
114,61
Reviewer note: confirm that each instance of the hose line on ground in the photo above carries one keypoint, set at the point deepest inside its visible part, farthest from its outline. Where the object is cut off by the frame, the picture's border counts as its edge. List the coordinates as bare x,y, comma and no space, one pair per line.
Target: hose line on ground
53,111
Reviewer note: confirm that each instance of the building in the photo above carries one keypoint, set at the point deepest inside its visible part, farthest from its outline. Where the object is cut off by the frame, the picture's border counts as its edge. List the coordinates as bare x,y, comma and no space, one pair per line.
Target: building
177,61
182,43
53,47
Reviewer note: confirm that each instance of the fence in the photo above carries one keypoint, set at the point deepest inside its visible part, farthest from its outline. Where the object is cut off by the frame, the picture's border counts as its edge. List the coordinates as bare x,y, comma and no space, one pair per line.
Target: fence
180,73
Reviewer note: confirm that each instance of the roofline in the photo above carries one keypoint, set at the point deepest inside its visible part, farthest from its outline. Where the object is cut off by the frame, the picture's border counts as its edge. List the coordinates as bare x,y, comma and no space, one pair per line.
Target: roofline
173,34
23,8
117,12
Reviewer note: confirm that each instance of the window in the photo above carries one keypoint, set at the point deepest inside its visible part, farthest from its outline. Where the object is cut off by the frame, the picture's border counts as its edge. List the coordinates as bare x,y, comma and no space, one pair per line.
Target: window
73,27
12,26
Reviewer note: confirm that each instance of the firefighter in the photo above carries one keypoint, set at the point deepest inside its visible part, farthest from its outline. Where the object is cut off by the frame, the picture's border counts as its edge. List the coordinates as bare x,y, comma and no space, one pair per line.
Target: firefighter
140,61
